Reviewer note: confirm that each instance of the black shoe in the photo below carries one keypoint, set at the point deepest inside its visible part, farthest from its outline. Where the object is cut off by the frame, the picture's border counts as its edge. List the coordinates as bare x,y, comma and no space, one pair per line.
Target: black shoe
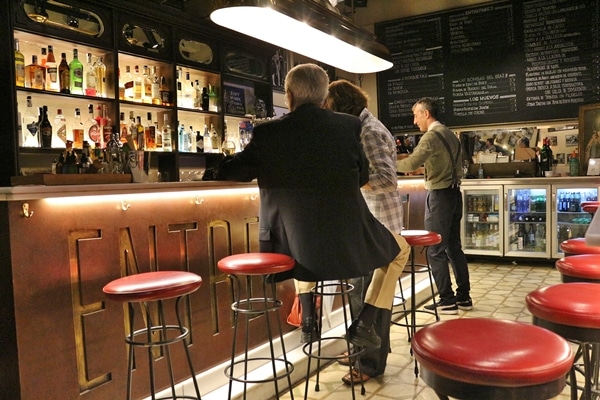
309,331
447,307
465,305
361,335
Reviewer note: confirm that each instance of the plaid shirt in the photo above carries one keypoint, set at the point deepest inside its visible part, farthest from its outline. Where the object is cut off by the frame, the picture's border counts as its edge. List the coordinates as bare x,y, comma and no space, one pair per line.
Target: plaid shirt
382,197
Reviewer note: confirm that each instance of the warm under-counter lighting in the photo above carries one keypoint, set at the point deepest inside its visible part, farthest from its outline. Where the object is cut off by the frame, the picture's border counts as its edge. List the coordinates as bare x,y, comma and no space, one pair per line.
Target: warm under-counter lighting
306,28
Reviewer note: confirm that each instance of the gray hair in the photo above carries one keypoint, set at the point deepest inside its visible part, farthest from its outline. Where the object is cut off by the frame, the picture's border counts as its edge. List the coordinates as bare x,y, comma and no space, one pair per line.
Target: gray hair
308,84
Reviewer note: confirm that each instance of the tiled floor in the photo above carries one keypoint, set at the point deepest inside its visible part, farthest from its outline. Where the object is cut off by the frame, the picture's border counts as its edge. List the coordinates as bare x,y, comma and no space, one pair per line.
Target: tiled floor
498,291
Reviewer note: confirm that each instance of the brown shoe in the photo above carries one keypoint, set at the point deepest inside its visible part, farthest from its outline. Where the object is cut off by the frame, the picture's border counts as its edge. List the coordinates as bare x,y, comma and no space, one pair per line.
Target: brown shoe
354,377
345,360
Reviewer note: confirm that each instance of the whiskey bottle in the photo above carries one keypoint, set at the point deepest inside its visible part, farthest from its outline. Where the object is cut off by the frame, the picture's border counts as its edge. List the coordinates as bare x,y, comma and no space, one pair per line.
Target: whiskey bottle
64,75
107,127
51,72
128,83
137,85
205,99
167,144
34,75
45,129
155,87
164,92
123,131
77,129
91,81
149,134
146,86
19,65
76,74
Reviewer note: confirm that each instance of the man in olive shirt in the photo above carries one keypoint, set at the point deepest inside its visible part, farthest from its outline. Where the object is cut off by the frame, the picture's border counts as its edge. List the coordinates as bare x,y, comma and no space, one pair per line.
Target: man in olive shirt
440,151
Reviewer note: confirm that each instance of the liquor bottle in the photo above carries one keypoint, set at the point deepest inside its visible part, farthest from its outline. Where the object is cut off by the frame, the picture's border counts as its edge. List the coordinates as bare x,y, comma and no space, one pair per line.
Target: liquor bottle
184,143
34,74
19,65
207,143
128,84
199,142
146,85
574,163
30,123
191,139
43,58
165,93
149,133
100,69
521,237
167,144
214,139
158,142
531,236
78,130
205,99
64,75
546,158
139,130
197,95
138,83
91,80
76,74
155,87
60,127
91,126
188,92
45,129
107,127
123,129
51,72
213,101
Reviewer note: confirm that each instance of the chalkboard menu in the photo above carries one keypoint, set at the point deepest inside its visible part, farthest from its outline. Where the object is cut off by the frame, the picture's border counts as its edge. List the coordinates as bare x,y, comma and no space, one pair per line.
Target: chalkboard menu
506,61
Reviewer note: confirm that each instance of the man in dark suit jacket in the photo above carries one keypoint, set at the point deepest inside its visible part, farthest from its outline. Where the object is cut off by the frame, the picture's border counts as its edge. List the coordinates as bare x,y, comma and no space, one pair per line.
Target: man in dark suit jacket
310,166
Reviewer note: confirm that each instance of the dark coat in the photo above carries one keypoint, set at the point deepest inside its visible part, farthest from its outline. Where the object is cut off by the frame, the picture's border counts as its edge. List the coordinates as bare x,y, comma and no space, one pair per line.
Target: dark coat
310,166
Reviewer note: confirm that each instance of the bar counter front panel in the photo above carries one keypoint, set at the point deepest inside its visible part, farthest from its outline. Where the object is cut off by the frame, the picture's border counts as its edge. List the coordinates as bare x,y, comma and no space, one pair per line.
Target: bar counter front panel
67,242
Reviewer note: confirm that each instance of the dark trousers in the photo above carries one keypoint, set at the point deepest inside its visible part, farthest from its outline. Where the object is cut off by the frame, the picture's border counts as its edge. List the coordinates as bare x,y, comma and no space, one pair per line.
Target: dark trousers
443,213
372,361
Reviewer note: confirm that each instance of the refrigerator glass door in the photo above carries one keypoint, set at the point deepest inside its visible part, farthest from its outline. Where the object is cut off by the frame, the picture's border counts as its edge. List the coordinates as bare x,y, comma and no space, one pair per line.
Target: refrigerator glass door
482,221
528,211
571,220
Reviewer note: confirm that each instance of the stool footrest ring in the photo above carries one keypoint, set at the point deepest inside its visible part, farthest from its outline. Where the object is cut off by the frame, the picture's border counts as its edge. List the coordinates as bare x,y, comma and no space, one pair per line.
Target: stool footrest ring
159,330
288,369
267,305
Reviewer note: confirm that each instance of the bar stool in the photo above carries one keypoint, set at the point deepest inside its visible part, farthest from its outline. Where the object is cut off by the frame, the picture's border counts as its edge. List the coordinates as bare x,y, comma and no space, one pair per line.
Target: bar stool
419,238
579,268
571,310
590,206
576,246
342,290
155,288
263,265
491,359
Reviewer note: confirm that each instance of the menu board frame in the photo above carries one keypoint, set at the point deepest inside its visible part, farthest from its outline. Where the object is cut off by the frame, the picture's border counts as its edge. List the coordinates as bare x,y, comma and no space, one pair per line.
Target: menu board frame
493,63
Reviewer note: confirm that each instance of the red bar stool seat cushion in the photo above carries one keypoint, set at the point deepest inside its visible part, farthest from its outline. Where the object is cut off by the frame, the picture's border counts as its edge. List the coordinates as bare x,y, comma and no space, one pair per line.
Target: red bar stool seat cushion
581,267
256,263
578,246
590,206
415,237
492,352
152,286
574,304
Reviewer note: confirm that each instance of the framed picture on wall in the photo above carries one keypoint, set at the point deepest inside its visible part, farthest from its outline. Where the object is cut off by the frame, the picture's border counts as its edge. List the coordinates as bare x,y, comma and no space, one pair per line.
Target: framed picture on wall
279,69
589,135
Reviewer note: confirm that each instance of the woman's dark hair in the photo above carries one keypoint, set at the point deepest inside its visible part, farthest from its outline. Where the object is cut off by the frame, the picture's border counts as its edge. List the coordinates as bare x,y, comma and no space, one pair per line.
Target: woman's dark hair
346,97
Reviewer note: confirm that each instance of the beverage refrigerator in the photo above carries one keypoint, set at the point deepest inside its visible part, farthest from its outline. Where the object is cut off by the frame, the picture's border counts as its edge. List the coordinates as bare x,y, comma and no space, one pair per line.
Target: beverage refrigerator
528,221
570,220
483,215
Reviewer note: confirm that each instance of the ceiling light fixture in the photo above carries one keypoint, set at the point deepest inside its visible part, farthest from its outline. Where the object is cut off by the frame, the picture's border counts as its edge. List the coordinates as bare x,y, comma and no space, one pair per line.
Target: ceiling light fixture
306,27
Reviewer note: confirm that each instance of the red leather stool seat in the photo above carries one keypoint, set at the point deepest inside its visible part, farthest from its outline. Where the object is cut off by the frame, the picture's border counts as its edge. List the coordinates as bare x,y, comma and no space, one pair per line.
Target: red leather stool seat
151,286
478,358
590,206
578,246
580,268
256,263
574,304
420,237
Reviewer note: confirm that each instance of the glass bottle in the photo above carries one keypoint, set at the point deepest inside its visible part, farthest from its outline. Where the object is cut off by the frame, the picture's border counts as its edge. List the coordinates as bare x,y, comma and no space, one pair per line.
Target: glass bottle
213,101
183,139
128,83
146,86
167,144
60,127
188,92
30,124
107,127
197,95
34,74
139,137
214,139
91,126
206,140
100,69
155,87
165,93
45,129
77,129
205,99
122,128
43,59
191,140
19,65
76,74
149,133
64,75
91,80
51,72
138,89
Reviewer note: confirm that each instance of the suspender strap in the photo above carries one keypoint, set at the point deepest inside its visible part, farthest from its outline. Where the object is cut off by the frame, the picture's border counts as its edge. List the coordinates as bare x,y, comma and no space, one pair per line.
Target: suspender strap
454,159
